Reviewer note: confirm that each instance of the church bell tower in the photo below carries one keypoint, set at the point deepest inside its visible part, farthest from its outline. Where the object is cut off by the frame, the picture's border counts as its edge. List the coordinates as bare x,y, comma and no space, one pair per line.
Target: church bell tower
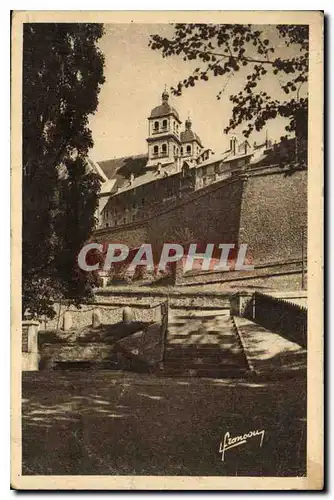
164,144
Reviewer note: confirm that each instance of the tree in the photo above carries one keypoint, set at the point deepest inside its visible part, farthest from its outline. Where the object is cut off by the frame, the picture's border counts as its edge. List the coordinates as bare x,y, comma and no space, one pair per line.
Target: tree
225,49
62,77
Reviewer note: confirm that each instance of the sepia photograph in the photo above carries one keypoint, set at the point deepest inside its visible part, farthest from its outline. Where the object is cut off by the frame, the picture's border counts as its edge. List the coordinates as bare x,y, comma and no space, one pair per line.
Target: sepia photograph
166,237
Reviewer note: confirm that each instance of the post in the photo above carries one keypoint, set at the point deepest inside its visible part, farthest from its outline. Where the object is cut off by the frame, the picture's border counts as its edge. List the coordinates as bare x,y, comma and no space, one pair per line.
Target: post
30,358
303,260
242,304
127,315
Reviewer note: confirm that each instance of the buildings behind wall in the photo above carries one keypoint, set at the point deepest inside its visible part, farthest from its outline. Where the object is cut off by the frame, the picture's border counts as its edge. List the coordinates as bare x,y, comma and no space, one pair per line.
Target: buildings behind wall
181,191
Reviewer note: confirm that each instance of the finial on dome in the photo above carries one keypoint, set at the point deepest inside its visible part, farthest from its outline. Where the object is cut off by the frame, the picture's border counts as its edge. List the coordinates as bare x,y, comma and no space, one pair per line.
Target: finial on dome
165,95
188,123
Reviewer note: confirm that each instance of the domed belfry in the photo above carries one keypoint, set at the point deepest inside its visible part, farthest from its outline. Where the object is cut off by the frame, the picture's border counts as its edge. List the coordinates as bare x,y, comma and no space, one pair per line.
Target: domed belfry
164,136
191,144
167,144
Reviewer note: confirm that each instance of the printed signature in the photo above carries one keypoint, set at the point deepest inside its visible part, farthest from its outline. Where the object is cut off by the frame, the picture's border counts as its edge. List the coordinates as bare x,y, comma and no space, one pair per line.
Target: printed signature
230,442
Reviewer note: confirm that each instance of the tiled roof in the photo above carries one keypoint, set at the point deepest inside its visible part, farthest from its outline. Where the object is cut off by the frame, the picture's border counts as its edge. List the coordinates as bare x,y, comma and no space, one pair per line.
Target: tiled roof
95,167
149,176
120,169
164,109
107,186
280,153
188,136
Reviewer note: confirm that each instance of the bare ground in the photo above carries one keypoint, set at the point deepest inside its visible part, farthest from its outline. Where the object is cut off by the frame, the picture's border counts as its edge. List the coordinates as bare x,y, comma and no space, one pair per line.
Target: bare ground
109,423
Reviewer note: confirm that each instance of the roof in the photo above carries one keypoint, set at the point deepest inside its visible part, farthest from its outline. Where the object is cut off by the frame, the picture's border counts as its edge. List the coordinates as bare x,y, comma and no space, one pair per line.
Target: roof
107,186
232,157
281,153
103,200
189,135
213,159
164,109
120,169
149,176
95,167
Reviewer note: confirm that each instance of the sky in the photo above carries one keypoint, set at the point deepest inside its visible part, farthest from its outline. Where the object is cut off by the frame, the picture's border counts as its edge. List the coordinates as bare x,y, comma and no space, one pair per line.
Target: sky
135,78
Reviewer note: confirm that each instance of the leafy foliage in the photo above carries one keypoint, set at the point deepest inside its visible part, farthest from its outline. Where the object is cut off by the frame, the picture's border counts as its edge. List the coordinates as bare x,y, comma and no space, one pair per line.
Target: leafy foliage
226,49
62,76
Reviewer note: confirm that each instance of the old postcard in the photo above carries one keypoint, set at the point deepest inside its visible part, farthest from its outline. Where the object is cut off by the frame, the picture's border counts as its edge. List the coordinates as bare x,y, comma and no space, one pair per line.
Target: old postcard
167,228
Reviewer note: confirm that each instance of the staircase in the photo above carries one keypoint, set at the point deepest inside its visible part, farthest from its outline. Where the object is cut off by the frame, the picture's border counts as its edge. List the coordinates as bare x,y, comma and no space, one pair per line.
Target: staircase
203,344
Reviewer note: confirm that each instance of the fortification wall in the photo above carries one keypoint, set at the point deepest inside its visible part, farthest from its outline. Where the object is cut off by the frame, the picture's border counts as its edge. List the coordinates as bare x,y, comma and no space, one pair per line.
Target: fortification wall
273,214
267,211
210,215
132,235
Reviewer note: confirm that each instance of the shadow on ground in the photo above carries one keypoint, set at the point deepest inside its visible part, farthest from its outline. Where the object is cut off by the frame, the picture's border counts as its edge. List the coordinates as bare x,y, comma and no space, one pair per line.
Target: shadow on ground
108,423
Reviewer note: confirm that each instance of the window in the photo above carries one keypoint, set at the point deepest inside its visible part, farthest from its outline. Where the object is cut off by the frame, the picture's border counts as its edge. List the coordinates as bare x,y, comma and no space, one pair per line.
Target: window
164,148
107,225
164,124
156,125
156,150
188,149
181,151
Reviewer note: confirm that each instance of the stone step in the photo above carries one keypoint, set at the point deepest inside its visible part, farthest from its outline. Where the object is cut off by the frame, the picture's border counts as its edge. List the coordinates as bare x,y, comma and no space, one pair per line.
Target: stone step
203,344
199,363
202,313
201,340
191,348
194,340
216,372
209,354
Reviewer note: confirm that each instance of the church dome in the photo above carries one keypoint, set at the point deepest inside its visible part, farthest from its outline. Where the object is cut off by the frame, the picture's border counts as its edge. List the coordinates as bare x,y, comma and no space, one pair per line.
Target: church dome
188,135
165,108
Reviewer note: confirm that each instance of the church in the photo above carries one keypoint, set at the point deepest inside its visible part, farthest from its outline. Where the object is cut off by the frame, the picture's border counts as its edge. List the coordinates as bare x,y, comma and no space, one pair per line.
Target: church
182,192
175,165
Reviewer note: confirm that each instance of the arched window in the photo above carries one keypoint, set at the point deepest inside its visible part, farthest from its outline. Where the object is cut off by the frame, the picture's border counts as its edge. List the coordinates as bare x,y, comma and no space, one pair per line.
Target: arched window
156,125
164,124
156,150
164,148
189,149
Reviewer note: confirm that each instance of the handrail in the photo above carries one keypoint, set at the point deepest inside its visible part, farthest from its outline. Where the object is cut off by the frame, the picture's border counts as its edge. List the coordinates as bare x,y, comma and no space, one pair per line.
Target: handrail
281,316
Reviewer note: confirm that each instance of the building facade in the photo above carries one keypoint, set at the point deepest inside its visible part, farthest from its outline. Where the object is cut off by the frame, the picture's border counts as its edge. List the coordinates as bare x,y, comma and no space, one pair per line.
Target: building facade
176,165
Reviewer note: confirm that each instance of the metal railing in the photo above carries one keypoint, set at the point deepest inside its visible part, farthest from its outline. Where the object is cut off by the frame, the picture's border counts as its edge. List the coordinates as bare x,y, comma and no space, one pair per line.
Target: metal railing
281,316
164,327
